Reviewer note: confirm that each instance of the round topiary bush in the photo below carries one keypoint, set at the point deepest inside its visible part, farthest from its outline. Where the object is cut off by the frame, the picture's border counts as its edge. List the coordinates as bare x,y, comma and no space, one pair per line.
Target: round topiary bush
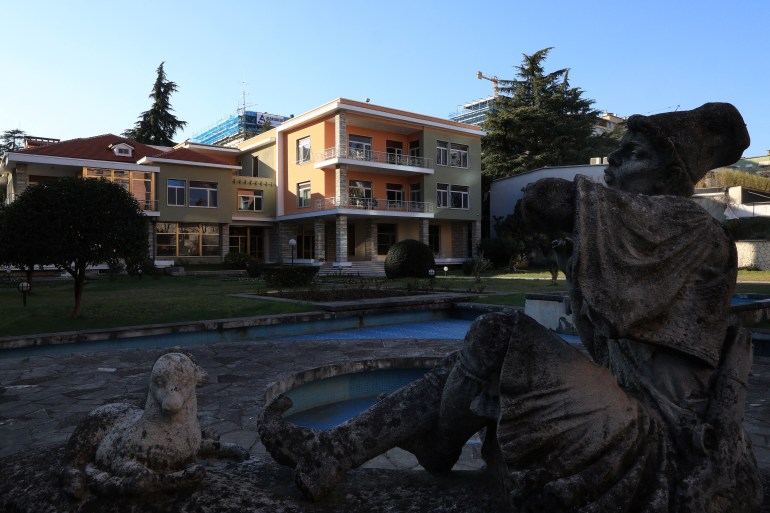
409,258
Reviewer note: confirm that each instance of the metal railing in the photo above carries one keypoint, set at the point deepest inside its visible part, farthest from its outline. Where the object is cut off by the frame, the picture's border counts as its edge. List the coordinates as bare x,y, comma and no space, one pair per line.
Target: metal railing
148,205
418,207
380,157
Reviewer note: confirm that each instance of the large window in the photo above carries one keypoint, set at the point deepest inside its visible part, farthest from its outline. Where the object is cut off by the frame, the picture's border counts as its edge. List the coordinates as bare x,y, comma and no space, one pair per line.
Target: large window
458,155
453,155
187,239
452,196
386,237
395,152
249,200
442,195
138,183
249,240
359,147
394,192
305,242
360,193
175,192
303,150
459,196
303,194
203,194
442,153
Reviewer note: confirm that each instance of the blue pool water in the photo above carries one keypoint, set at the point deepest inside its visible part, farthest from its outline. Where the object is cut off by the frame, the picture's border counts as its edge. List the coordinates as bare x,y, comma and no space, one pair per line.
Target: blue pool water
326,403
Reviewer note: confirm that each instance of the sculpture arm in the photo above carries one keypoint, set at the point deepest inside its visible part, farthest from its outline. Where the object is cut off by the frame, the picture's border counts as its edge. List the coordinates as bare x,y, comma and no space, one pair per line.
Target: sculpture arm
548,206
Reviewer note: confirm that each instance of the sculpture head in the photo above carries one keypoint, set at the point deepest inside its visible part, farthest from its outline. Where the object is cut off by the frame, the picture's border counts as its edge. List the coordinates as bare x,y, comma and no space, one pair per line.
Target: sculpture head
173,380
669,153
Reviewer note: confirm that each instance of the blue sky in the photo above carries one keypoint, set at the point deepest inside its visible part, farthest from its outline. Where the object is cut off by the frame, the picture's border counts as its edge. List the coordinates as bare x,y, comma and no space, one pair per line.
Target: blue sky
78,69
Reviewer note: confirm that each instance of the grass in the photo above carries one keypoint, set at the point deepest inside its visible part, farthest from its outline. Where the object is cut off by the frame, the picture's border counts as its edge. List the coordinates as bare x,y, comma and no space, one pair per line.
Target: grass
128,301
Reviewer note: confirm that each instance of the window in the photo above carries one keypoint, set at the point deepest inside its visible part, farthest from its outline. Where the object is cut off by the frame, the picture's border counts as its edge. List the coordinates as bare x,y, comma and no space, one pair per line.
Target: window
249,240
122,150
386,237
395,152
303,194
253,171
458,155
305,242
138,183
414,153
175,192
250,200
442,195
303,150
203,194
459,196
442,153
360,193
359,147
187,239
434,238
394,192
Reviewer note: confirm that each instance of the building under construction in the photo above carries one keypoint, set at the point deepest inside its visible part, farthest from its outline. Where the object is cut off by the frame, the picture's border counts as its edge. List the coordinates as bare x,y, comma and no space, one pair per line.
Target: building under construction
237,128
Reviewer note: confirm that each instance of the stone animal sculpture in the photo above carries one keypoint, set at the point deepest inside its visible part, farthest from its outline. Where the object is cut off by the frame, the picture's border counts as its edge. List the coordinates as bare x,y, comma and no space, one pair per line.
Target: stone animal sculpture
122,449
652,420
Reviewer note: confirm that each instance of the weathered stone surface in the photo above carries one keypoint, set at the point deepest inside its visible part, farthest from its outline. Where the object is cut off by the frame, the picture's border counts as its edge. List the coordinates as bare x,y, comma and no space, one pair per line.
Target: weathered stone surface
28,485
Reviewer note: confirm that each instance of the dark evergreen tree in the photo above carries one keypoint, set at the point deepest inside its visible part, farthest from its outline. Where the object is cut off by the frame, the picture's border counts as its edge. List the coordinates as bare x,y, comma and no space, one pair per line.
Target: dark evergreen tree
157,125
540,120
12,140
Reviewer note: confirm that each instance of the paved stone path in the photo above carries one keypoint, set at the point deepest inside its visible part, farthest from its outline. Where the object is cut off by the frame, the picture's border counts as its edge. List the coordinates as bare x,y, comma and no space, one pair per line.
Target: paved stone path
43,398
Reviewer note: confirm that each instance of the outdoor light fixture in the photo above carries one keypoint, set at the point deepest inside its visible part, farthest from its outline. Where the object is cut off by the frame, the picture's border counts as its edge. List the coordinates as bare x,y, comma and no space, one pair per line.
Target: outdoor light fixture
431,272
292,243
446,270
24,287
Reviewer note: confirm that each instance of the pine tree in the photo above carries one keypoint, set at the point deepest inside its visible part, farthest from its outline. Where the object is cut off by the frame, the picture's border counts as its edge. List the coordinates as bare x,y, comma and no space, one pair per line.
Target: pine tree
157,125
539,120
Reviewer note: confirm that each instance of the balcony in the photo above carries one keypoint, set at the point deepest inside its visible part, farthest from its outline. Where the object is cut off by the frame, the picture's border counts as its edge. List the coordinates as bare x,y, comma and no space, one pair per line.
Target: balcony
375,205
149,207
392,162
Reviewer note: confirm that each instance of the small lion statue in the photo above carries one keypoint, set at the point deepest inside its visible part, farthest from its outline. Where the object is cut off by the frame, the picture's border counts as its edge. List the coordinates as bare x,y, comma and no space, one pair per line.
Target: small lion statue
122,449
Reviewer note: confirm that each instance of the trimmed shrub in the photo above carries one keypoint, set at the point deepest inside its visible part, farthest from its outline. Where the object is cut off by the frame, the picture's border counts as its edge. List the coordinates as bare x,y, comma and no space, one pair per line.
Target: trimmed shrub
289,276
409,258
235,260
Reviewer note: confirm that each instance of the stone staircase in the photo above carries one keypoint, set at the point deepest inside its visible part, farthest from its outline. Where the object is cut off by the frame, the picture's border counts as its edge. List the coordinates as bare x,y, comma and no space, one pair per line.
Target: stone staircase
367,269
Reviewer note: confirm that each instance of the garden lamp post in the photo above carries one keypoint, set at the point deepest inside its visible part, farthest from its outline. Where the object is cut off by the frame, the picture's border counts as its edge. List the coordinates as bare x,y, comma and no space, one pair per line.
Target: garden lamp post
292,243
432,273
446,269
24,287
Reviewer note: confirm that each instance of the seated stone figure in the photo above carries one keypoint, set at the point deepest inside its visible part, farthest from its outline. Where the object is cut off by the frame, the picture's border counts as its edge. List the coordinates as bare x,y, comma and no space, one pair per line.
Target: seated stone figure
652,420
122,449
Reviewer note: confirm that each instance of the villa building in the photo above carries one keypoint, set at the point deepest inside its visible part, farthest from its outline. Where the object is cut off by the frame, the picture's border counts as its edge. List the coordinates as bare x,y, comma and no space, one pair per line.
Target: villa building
336,185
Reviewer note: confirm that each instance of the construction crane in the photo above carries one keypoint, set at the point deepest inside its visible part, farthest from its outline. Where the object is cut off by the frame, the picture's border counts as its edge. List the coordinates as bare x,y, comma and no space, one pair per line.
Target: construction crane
480,75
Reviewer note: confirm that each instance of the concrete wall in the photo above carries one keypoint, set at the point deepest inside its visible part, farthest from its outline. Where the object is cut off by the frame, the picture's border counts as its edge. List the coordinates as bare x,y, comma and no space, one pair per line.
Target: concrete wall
753,253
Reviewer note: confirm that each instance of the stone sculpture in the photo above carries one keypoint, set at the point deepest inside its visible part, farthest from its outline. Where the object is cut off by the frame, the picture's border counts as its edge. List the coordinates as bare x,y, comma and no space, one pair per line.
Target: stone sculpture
652,420
122,449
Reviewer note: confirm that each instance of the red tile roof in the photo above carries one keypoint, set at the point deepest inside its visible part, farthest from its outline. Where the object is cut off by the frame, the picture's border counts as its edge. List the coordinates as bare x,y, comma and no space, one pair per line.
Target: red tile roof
98,148
189,155
95,148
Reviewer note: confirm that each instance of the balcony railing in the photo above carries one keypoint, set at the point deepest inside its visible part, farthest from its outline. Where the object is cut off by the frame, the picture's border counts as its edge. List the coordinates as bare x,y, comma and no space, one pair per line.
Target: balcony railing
380,157
417,207
148,205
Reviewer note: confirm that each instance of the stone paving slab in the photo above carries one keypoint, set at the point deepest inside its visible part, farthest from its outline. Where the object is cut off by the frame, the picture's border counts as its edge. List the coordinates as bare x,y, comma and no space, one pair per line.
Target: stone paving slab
43,398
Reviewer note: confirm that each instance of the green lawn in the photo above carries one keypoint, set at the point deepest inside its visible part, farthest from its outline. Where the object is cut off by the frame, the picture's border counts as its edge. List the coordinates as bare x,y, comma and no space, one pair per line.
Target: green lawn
129,301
